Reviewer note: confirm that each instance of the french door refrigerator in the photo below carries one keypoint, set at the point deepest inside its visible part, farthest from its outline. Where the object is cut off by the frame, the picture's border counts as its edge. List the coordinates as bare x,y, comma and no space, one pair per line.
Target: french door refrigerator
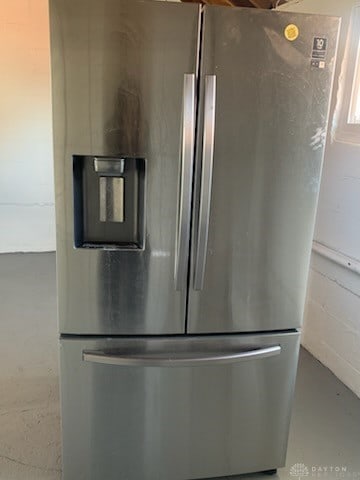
188,148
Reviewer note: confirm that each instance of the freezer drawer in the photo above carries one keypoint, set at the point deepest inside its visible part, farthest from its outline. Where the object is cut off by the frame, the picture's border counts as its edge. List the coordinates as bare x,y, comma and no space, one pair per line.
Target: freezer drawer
176,408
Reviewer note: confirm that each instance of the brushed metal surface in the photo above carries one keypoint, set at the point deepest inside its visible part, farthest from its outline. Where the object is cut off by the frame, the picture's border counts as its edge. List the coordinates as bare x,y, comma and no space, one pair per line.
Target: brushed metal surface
117,83
271,119
158,423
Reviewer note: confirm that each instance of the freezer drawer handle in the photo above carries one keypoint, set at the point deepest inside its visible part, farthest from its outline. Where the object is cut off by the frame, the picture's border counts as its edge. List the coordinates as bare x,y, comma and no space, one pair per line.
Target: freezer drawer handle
178,359
187,163
206,180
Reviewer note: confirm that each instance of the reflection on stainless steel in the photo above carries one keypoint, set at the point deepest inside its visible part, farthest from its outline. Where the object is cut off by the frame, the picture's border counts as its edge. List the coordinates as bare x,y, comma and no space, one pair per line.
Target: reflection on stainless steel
287,51
160,253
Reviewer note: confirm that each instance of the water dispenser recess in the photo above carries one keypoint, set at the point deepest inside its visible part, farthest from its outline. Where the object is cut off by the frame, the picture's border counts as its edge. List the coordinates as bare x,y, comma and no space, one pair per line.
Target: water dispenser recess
109,202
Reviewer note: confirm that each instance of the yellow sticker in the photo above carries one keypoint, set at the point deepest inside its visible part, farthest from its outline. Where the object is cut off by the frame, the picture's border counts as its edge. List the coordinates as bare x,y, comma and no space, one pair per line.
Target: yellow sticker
291,32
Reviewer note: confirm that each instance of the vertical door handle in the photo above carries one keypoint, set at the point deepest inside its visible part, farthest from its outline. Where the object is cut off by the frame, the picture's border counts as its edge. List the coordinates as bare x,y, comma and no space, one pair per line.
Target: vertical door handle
186,177
206,180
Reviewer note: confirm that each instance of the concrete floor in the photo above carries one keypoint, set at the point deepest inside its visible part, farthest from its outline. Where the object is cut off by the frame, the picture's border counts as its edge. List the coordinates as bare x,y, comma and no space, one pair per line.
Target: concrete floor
325,428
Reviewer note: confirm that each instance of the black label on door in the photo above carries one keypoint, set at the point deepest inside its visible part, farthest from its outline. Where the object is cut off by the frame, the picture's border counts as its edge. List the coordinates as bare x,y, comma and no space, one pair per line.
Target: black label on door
319,48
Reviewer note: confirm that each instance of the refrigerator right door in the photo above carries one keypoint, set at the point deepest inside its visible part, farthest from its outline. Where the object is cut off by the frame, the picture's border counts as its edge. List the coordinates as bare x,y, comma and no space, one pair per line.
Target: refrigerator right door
265,86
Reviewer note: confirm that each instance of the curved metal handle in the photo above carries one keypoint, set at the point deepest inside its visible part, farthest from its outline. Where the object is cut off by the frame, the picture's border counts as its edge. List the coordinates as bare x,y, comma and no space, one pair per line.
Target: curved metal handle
206,180
177,359
187,163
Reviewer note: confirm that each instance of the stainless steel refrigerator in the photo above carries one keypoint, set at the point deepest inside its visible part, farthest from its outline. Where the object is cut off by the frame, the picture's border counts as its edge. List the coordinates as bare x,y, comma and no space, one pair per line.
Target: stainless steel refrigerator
188,148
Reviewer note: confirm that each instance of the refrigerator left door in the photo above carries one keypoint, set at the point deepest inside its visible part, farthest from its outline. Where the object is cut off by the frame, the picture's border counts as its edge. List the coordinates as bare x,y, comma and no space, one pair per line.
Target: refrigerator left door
123,86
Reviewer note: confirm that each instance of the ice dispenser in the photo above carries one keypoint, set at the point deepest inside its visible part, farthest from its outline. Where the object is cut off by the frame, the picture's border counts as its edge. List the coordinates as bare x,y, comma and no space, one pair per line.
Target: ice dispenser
109,202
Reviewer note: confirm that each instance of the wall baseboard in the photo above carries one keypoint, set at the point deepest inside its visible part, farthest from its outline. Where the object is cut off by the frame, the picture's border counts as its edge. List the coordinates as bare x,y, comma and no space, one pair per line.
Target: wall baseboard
339,258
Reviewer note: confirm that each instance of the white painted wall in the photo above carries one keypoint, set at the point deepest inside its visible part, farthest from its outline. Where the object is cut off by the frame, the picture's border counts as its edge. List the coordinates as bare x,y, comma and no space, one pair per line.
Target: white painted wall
27,214
27,218
332,323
